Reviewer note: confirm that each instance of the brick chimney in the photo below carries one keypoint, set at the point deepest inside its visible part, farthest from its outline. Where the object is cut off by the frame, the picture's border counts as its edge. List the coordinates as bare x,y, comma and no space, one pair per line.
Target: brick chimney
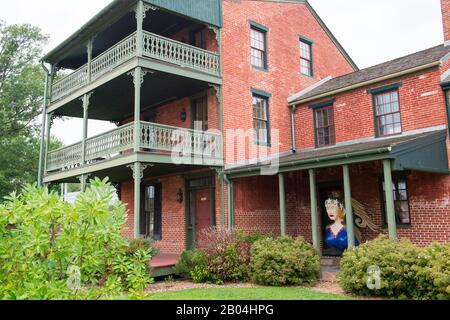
445,7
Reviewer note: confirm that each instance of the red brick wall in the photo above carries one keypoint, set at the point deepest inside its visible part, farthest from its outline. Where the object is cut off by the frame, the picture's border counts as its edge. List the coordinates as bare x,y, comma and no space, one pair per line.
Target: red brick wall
445,6
422,105
258,208
285,21
173,214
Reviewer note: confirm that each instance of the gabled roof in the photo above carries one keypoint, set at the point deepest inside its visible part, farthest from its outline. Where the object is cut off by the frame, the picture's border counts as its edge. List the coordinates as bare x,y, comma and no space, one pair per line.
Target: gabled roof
424,151
409,62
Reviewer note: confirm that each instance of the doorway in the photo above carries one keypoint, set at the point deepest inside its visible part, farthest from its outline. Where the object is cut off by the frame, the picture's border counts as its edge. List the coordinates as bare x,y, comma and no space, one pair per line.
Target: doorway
200,209
326,191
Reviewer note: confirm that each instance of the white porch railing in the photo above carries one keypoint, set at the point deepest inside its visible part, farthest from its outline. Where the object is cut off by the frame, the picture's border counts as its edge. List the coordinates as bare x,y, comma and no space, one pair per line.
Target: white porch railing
153,46
153,138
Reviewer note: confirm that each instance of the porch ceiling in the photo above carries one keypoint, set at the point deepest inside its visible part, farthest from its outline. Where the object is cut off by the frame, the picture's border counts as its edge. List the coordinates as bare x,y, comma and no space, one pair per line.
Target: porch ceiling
72,54
122,173
114,101
422,152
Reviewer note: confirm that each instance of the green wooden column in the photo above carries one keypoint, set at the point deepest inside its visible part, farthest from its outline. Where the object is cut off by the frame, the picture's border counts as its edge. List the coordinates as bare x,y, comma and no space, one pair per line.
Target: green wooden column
89,46
230,200
44,126
314,216
389,195
85,100
139,30
222,200
138,79
282,204
137,176
348,207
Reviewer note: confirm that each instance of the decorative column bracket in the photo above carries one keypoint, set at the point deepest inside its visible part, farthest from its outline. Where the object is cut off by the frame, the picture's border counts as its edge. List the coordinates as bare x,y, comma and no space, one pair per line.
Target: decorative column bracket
143,74
216,32
146,8
140,175
85,99
218,90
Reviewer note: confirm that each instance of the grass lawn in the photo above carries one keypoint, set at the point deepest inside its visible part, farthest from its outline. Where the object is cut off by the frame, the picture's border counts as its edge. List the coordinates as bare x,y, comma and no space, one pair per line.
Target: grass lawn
260,293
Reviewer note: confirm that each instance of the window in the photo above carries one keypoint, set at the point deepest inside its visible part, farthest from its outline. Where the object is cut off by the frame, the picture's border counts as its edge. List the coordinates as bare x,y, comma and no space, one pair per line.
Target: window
401,201
324,126
258,48
306,65
199,39
261,119
150,224
200,114
387,113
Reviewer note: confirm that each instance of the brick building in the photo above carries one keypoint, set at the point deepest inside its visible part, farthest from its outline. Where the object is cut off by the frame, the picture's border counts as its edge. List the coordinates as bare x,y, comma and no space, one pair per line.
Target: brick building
248,114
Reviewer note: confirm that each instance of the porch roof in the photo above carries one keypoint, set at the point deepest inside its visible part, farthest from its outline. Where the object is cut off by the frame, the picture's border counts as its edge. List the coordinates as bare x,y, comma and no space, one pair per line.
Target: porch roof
424,151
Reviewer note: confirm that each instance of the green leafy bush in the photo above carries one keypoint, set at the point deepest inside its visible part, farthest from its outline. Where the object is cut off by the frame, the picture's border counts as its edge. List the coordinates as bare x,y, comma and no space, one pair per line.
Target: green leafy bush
405,270
284,261
224,257
50,249
433,273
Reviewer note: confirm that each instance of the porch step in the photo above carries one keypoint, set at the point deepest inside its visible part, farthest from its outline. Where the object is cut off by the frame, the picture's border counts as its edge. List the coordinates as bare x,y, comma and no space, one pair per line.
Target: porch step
330,262
328,275
163,264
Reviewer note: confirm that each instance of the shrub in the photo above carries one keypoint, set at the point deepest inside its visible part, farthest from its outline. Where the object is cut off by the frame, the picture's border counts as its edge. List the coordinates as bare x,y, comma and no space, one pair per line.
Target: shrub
50,249
224,256
187,262
284,261
406,271
432,273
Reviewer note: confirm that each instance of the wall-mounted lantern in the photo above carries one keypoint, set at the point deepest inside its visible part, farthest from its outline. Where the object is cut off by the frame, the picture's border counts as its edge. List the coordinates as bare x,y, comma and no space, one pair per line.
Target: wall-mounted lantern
180,196
183,115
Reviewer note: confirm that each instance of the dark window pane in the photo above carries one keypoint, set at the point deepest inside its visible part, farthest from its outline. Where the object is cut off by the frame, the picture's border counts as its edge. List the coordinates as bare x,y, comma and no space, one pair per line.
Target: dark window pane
324,126
388,113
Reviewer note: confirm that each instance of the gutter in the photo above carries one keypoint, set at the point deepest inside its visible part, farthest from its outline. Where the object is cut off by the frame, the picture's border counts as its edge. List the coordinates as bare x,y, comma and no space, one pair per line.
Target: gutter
319,160
365,83
44,124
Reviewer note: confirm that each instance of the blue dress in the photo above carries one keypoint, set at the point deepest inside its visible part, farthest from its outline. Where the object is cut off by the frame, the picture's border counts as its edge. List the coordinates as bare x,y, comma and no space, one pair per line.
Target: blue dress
338,241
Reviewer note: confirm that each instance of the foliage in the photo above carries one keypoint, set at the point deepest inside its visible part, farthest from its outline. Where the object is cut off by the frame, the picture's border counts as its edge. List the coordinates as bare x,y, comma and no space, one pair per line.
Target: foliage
21,77
50,249
225,256
21,90
284,261
132,265
406,271
19,160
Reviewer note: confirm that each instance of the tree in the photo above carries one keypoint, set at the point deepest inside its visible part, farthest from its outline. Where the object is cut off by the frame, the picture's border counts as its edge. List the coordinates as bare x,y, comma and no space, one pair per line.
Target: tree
21,77
19,160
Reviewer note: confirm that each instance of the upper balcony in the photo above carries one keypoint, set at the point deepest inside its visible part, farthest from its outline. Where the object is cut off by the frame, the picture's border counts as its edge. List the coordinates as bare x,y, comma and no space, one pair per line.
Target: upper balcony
153,46
161,36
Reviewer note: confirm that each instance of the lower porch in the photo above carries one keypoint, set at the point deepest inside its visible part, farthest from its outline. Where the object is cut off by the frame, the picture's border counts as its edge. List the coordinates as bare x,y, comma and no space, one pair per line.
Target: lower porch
342,196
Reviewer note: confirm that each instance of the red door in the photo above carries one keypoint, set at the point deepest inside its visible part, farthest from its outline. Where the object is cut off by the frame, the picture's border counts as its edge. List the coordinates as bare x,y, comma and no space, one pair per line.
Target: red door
202,213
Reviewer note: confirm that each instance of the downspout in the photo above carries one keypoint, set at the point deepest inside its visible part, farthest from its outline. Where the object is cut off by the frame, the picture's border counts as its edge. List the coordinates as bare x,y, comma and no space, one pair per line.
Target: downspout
293,136
230,201
44,118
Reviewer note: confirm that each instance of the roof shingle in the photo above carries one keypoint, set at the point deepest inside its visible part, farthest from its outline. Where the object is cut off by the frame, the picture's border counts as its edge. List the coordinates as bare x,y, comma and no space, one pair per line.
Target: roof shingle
384,69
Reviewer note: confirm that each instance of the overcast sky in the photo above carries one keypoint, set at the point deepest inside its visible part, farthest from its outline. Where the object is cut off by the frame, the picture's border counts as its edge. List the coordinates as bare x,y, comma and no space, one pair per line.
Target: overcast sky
371,31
